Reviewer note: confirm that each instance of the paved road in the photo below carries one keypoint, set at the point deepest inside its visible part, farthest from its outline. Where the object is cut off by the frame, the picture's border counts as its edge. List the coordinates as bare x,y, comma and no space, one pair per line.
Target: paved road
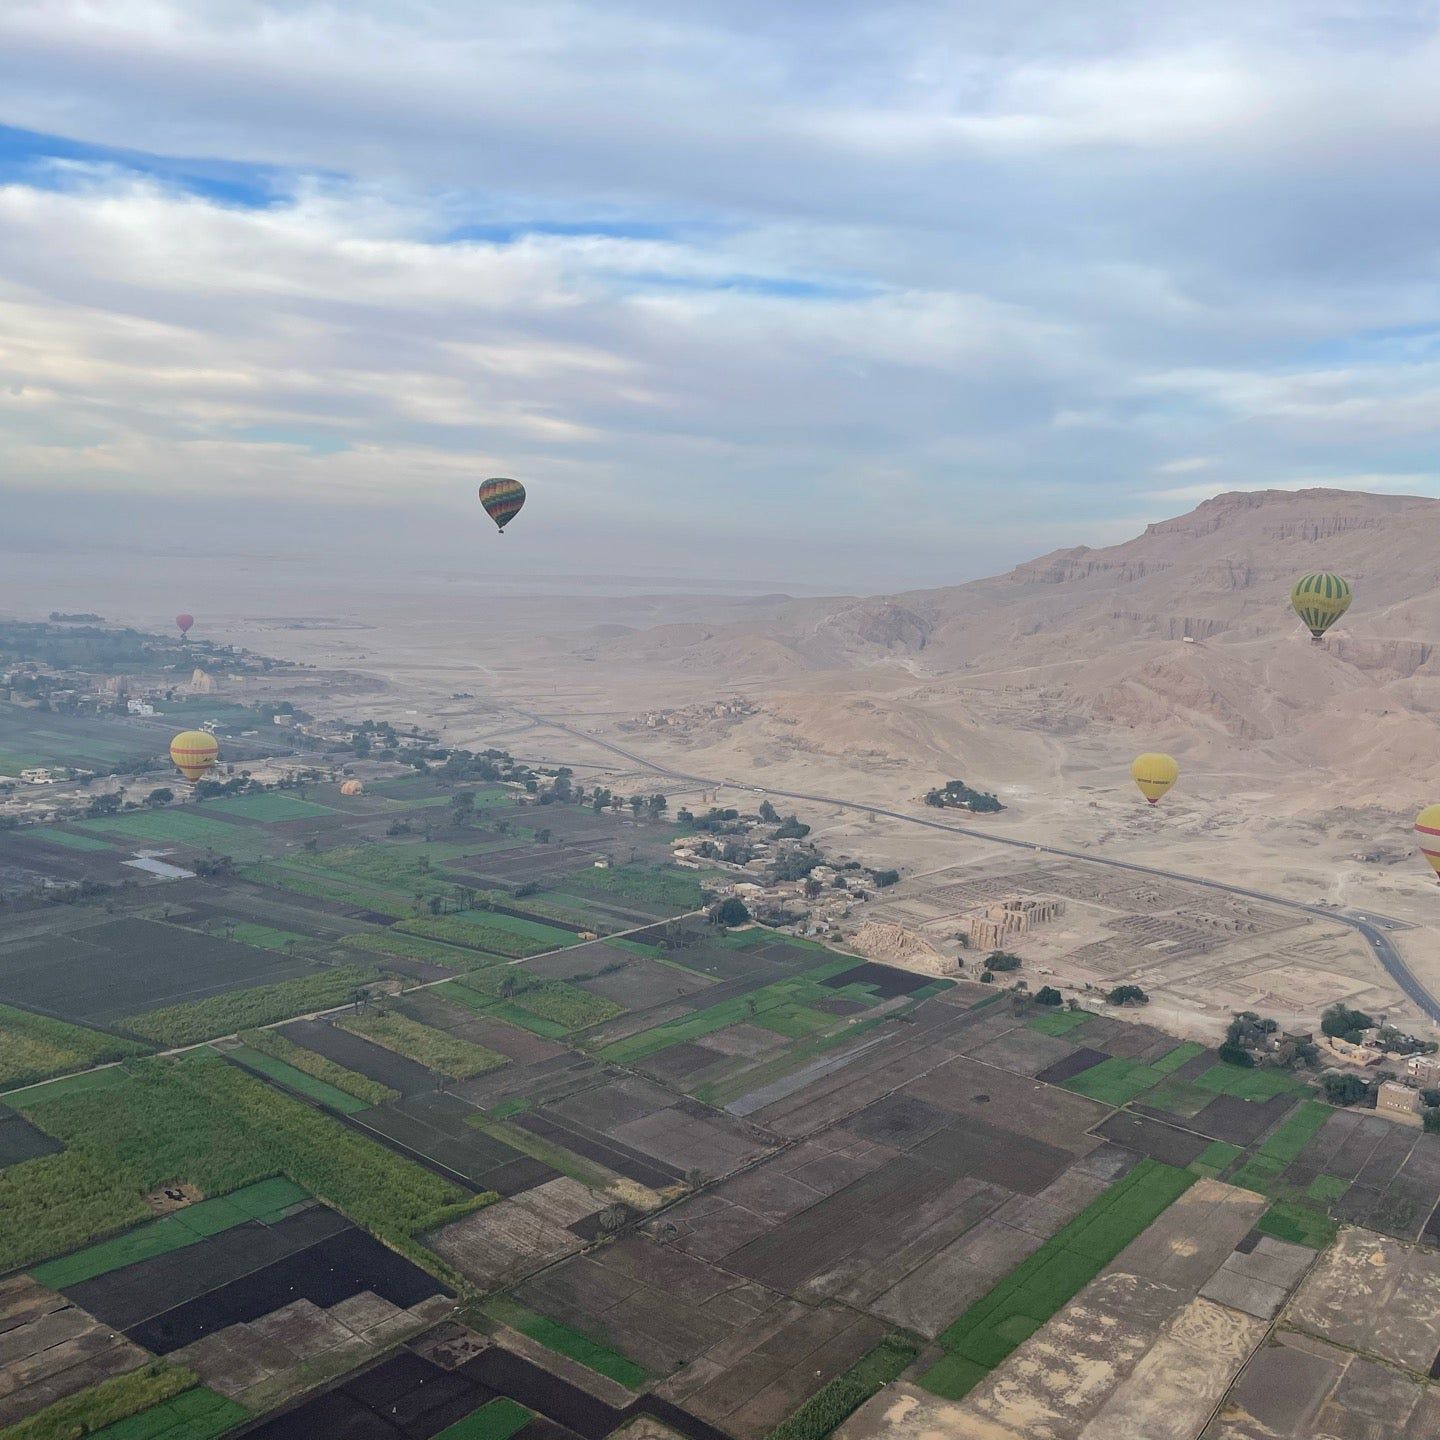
1372,927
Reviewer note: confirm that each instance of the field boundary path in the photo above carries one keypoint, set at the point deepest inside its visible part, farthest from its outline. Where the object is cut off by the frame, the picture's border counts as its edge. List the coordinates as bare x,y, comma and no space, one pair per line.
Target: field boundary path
1371,927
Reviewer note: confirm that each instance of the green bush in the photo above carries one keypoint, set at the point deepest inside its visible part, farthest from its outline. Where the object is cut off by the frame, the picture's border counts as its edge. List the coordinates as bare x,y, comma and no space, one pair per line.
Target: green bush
103,1404
834,1403
244,1009
362,1087
437,1049
206,1122
34,1047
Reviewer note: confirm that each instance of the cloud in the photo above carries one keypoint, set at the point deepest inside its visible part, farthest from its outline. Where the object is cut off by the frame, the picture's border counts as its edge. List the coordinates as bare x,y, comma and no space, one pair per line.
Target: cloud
904,281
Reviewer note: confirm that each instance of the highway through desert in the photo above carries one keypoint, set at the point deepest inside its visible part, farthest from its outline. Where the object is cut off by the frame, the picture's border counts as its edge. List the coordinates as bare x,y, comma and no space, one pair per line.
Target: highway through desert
1372,927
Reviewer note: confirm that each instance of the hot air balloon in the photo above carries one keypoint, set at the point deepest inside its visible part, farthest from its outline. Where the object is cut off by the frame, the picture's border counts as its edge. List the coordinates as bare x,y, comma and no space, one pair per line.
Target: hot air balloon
184,621
502,500
1154,774
1320,600
1427,827
194,753
352,787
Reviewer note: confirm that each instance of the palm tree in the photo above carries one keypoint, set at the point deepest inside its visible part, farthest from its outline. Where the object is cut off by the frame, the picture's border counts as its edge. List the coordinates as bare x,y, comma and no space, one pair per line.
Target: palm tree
613,1219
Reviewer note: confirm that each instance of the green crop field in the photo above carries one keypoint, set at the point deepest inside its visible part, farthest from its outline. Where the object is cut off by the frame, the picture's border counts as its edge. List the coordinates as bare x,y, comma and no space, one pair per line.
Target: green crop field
34,1047
181,826
245,1009
265,937
287,875
666,886
267,806
568,1006
457,992
784,1006
104,1408
1012,1310
39,737
1172,1060
360,1088
1061,1022
291,1078
565,1341
411,947
1300,1224
1296,1131
219,1128
198,1414
499,1419
266,1201
1214,1158
1115,1082
1250,1084
424,1044
495,934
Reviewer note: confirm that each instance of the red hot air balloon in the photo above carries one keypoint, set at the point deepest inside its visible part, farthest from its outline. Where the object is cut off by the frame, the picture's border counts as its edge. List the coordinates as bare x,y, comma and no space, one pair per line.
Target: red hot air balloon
184,621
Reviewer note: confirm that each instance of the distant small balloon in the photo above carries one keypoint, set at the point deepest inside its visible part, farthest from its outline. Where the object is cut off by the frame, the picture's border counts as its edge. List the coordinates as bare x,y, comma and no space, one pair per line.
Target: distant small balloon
1154,773
1427,827
194,752
1320,599
352,787
184,621
502,500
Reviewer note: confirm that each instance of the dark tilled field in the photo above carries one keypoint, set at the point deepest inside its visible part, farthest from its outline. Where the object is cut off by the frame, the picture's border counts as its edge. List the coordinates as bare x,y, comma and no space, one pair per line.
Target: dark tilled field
355,1053
123,967
1154,1138
1241,1122
435,1126
334,1269
21,1141
136,1293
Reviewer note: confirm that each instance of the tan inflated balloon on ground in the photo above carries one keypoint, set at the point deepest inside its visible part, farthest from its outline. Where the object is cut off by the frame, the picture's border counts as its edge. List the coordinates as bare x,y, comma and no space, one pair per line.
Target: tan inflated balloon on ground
352,787
1154,773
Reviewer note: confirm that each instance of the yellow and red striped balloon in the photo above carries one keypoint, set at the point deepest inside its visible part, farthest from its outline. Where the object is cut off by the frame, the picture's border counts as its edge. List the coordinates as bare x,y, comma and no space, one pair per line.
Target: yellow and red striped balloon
194,753
502,500
1427,827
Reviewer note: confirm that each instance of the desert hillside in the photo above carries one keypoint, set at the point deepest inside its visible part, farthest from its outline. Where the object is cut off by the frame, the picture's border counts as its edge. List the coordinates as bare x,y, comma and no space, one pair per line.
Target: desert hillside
1182,637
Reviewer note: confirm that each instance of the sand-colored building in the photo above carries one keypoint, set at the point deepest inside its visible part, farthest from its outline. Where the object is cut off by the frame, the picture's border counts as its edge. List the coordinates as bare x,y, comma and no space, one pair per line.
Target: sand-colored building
1003,920
1394,1098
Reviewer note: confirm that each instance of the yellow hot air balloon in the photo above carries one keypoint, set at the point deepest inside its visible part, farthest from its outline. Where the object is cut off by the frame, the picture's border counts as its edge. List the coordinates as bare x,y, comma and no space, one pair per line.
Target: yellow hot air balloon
1320,599
194,752
1154,774
1427,827
352,787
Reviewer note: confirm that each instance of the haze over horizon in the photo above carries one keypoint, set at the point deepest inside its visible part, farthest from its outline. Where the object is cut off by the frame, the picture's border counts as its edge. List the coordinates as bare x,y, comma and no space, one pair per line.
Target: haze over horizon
847,298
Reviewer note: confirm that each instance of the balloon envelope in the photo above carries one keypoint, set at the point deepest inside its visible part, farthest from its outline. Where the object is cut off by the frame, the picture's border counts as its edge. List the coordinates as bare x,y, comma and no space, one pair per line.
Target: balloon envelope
502,500
194,752
1320,599
1427,827
352,787
1154,773
184,621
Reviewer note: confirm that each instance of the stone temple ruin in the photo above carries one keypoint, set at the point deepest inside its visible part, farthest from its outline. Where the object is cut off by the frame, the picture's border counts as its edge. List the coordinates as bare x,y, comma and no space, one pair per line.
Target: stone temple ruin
1002,920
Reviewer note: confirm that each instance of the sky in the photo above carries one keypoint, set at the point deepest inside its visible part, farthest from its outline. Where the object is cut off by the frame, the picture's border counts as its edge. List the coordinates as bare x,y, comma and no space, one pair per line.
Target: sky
858,295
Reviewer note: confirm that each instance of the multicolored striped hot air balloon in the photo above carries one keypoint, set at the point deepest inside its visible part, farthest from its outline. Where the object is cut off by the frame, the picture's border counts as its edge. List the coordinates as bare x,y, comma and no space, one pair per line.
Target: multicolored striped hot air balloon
1427,827
194,752
1320,600
502,500
1154,773
184,621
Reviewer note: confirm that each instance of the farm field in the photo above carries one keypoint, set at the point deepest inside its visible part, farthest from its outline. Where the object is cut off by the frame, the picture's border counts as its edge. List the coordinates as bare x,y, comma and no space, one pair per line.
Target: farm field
181,827
33,1047
735,1183
98,972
